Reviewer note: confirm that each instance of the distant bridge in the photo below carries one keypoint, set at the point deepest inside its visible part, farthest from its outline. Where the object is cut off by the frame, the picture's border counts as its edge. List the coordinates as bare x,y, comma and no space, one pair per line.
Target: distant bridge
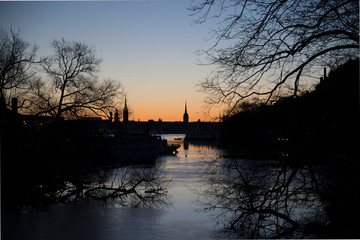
173,127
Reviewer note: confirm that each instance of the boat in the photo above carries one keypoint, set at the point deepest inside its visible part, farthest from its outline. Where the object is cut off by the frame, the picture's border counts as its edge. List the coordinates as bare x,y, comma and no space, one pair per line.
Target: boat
140,146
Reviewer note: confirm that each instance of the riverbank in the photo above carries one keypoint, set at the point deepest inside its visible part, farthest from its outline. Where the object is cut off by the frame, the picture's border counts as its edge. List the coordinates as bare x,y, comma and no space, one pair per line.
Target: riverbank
324,121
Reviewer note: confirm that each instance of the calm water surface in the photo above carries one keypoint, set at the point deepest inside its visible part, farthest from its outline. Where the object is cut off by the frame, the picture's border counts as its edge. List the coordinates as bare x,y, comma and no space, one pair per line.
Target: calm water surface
92,219
196,194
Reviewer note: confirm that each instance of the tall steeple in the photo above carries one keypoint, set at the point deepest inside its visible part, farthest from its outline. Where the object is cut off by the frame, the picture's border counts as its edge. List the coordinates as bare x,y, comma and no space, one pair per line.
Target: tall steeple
186,116
125,113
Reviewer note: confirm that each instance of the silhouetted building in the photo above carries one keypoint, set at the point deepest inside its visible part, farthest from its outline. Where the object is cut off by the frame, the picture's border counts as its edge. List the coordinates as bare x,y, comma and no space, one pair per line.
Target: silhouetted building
125,113
186,116
116,118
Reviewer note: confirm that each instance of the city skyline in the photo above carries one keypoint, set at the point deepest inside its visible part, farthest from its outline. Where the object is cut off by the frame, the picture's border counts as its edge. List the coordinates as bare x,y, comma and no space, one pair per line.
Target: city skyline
148,46
126,117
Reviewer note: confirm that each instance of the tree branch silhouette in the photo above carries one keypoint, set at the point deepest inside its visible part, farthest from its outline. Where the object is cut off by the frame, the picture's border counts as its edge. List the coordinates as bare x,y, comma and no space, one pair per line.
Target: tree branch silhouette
72,69
16,60
262,47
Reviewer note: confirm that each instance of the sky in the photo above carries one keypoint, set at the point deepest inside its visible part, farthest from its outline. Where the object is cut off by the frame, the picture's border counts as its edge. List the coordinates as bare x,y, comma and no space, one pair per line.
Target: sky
148,46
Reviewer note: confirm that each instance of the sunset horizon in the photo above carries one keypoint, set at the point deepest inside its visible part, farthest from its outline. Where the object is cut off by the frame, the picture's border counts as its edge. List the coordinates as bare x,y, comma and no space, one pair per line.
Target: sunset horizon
147,46
179,119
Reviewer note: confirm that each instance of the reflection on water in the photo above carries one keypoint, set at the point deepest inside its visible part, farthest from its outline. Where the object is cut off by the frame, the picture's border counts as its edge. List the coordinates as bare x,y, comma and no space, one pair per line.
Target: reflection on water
258,199
196,194
132,186
142,202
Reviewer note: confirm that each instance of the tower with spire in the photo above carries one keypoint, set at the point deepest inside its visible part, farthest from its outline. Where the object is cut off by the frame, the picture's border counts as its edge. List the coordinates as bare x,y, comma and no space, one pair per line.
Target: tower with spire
186,116
125,113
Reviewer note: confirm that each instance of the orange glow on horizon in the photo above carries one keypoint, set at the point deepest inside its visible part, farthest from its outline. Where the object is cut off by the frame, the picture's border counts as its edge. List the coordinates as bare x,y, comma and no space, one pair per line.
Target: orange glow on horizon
171,110
166,114
167,106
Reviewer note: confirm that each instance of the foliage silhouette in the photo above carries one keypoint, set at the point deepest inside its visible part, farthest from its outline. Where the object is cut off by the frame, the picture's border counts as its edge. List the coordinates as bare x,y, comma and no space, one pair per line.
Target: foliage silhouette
324,120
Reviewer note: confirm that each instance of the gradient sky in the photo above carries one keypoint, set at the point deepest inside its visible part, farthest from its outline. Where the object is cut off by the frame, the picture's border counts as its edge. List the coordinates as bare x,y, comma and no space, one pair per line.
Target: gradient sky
149,46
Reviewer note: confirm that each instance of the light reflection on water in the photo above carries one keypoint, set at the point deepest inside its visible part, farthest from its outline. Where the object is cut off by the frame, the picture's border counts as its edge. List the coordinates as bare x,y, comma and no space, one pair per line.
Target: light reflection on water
197,202
91,219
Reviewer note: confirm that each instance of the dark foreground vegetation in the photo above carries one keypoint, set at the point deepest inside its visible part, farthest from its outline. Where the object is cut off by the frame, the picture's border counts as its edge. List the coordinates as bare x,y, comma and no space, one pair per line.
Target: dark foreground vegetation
299,153
325,120
318,131
40,156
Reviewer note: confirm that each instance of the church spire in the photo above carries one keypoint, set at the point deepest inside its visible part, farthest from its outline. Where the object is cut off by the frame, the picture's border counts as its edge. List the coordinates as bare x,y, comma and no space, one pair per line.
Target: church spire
186,116
125,112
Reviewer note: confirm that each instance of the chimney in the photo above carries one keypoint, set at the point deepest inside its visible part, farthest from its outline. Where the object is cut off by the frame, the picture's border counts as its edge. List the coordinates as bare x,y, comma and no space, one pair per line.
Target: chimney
325,74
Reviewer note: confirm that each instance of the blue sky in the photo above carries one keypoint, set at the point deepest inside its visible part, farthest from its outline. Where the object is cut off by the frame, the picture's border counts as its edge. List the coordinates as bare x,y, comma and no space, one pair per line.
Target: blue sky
149,46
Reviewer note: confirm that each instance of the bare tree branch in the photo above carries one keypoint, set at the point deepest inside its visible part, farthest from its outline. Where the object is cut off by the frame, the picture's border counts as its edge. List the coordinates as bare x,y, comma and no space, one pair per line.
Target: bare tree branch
16,60
72,69
263,46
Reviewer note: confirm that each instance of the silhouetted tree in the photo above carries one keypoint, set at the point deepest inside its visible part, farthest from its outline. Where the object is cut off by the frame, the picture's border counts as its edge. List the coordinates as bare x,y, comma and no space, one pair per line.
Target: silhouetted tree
16,59
326,116
266,48
75,87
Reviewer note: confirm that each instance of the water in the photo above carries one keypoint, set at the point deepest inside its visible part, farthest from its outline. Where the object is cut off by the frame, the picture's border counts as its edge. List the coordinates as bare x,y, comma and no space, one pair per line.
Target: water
92,219
196,194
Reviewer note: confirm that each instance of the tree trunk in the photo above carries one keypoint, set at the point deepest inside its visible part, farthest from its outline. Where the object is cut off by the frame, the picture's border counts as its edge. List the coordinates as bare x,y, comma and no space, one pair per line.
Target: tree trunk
58,114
